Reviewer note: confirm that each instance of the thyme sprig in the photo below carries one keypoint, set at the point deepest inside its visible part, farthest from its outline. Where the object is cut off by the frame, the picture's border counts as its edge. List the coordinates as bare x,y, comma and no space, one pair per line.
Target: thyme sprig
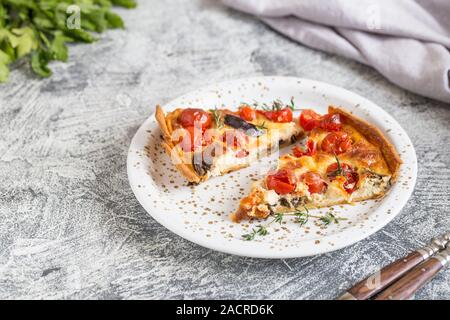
262,230
330,218
339,170
278,218
217,118
300,217
276,105
292,105
262,126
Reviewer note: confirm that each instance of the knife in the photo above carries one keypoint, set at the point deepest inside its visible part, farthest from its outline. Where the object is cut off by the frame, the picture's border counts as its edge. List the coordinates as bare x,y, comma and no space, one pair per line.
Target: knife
373,284
415,279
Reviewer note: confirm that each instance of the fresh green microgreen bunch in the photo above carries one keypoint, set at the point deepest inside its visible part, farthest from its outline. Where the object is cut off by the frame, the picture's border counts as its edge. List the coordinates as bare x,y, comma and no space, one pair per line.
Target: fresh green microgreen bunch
38,30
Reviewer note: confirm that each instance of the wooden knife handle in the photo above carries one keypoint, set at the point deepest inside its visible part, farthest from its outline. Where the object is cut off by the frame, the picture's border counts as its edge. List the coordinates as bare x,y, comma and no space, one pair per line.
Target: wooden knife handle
412,281
376,282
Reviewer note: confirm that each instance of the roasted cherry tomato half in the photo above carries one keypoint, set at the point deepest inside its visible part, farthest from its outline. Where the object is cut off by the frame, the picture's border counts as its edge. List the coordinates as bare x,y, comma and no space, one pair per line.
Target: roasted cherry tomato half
333,169
347,172
283,115
247,113
336,142
282,181
309,150
331,122
195,118
192,139
314,182
309,119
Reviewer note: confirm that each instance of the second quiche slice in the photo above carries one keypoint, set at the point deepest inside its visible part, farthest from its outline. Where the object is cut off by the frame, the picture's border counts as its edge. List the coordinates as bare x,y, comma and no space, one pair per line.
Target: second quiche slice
344,159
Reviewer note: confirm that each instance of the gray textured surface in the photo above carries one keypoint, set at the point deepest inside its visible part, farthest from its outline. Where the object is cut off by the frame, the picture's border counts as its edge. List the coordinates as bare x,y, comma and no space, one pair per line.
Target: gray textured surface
70,226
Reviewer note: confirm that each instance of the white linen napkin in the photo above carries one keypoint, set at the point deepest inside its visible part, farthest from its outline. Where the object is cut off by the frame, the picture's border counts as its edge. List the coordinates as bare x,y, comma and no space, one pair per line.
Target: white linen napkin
407,41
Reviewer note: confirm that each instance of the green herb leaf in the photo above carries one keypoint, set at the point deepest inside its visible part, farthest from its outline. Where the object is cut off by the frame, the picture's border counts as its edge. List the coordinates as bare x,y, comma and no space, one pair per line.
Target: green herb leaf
340,172
4,72
277,105
39,62
278,218
5,58
24,41
330,218
262,231
3,15
249,236
292,105
262,126
302,217
114,20
125,3
58,46
217,117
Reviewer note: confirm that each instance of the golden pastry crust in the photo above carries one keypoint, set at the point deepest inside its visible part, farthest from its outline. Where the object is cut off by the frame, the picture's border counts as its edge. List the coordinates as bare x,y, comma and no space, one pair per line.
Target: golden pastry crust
161,119
374,136
186,170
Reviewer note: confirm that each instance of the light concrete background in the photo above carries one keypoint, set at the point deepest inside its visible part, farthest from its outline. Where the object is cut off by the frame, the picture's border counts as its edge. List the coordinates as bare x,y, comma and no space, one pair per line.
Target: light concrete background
70,226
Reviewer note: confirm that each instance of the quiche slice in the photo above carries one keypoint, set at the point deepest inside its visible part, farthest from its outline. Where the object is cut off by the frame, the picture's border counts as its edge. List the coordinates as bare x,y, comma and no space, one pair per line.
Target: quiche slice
343,159
207,143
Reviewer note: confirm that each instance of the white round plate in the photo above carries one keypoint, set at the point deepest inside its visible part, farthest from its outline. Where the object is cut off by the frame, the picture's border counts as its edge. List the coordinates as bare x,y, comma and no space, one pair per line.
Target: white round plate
200,213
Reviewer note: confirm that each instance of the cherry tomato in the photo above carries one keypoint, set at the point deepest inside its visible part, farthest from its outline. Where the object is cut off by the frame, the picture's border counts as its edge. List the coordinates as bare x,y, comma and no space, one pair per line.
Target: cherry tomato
314,182
350,175
282,116
282,181
247,113
235,138
195,118
310,150
336,142
192,140
331,122
309,119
